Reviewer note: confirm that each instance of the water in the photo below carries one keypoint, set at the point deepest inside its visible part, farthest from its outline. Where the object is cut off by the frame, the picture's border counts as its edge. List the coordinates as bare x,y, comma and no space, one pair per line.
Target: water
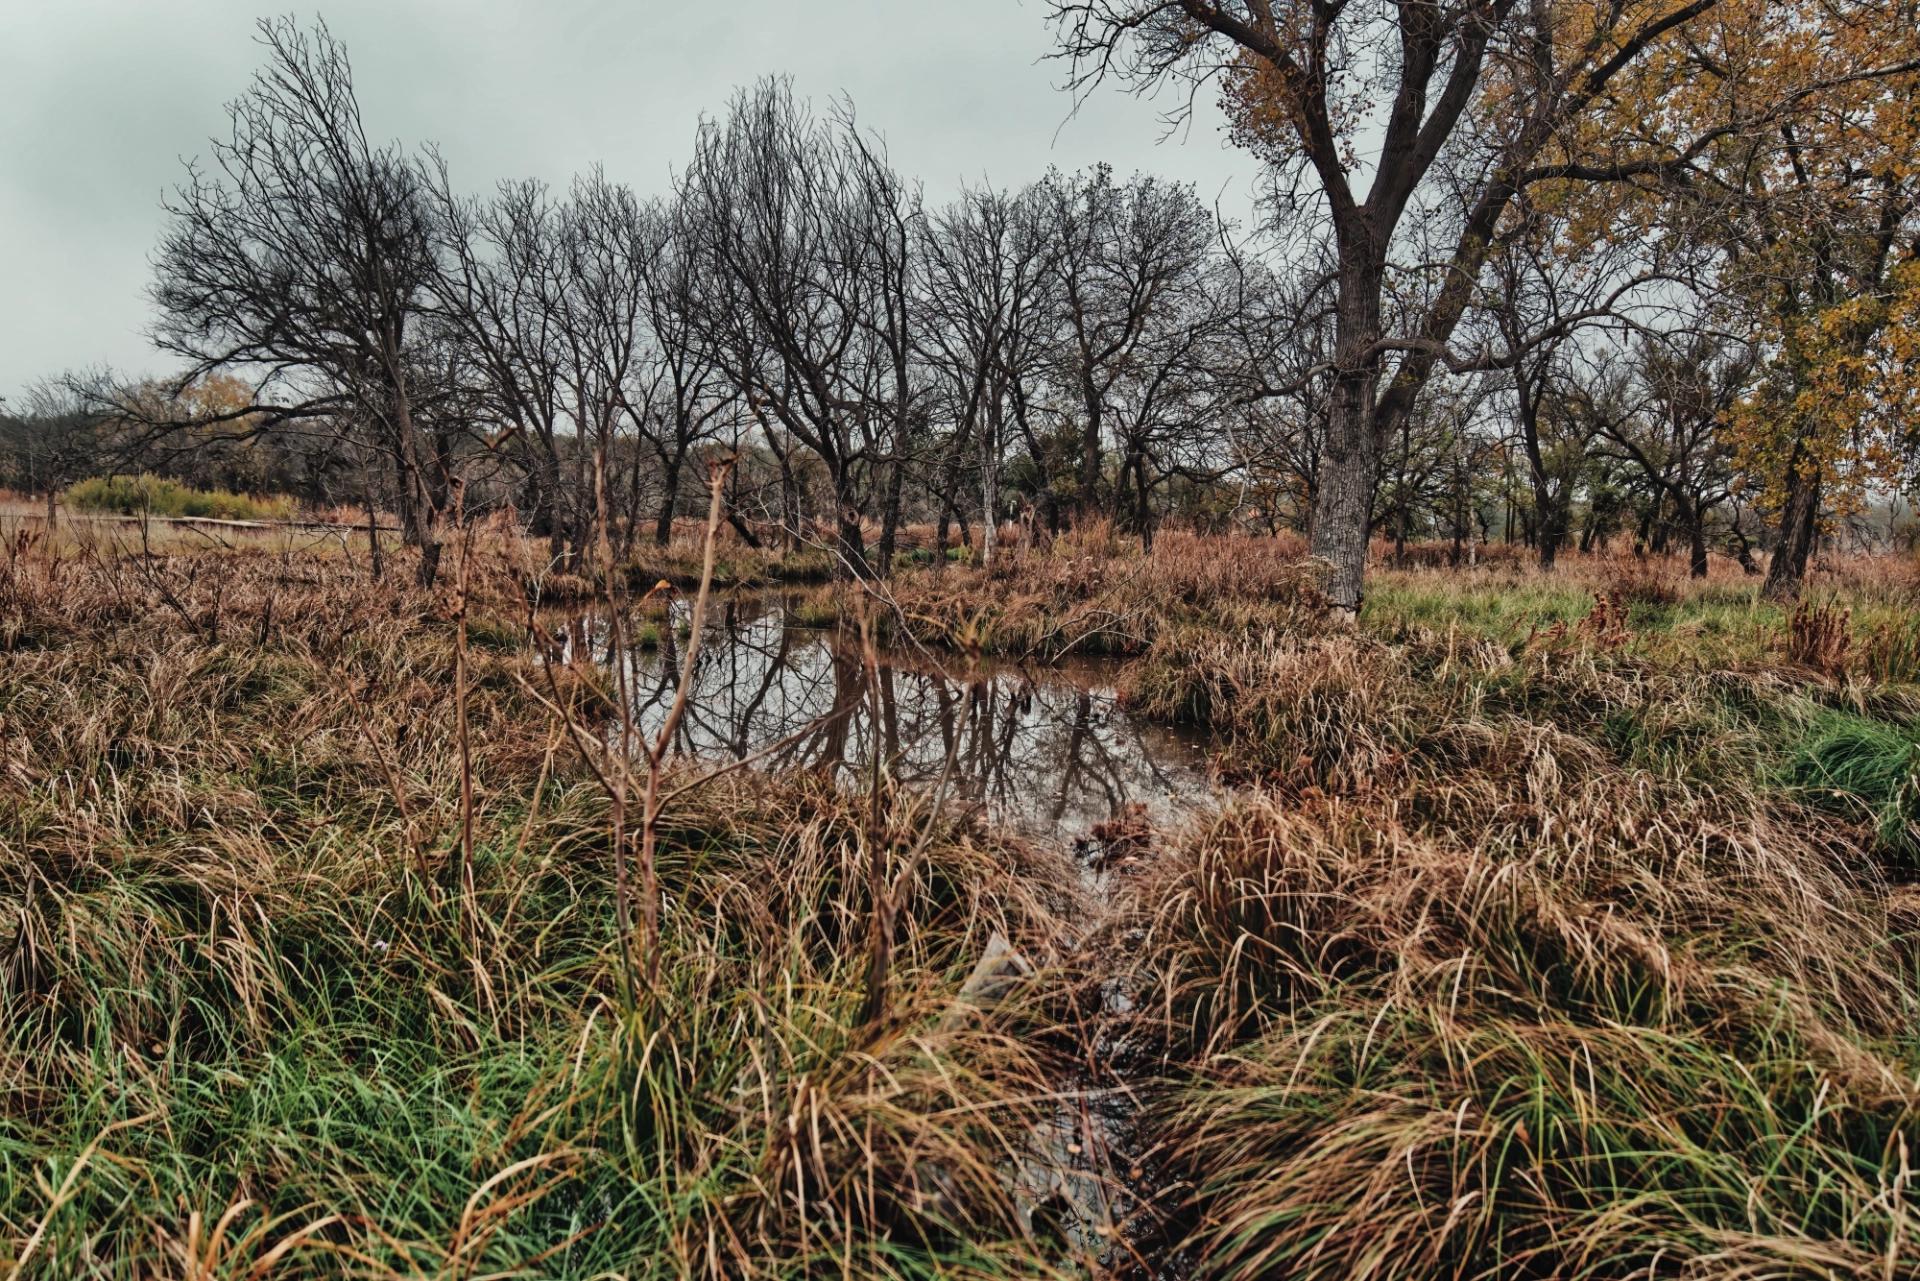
1046,751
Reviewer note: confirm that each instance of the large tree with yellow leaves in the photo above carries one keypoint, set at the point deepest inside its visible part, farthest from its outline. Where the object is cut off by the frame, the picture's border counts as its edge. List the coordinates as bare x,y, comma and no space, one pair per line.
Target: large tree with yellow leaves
1817,227
1382,107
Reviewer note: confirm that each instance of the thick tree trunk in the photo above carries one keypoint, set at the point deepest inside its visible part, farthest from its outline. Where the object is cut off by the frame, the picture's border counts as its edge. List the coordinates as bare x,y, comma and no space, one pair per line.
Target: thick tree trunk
1553,529
853,545
1696,547
1799,521
1343,504
851,536
429,564
1089,450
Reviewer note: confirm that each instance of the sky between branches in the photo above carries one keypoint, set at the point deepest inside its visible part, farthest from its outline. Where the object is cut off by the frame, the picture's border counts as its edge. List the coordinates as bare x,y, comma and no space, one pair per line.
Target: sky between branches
102,100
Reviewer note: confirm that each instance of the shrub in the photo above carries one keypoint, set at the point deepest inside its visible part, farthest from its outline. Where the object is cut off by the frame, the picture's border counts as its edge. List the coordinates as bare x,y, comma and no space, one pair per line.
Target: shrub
1820,637
158,496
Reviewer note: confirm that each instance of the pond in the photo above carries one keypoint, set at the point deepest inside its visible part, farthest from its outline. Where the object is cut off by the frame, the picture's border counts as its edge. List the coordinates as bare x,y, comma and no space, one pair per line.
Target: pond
1048,751
1044,750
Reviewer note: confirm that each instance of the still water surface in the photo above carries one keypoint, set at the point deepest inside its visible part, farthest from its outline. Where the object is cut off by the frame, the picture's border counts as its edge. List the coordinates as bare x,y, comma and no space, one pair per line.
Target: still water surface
1045,750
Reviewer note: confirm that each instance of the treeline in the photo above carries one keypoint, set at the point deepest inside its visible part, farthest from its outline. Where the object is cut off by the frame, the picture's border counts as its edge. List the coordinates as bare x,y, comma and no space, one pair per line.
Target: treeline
1697,332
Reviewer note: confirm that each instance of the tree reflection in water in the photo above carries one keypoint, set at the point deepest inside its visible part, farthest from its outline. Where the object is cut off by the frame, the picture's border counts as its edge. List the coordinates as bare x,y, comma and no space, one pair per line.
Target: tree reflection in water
1049,752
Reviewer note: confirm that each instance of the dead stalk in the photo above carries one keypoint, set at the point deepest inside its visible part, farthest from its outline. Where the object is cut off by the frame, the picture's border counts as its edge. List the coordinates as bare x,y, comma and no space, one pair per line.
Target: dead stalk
880,941
657,750
615,781
463,873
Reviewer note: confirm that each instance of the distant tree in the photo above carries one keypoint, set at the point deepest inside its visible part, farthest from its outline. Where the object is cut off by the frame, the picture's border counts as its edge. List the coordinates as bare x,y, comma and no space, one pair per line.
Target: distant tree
693,399
798,229
53,439
1680,391
1130,261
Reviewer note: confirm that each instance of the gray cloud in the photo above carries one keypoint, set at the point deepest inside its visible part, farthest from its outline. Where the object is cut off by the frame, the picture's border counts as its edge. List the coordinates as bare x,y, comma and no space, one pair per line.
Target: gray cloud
102,99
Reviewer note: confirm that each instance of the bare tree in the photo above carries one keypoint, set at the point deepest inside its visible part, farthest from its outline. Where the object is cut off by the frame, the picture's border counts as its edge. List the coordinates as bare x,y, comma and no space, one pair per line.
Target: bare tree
989,303
765,196
303,253
1127,260
500,294
694,397
1682,388
54,440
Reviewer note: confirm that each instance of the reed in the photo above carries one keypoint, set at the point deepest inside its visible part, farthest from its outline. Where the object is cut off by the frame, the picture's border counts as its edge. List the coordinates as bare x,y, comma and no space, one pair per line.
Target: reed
246,1030
1547,926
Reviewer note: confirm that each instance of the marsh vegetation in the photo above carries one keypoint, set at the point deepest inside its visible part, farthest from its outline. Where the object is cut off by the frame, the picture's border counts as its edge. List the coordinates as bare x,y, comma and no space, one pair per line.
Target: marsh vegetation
787,729
1548,926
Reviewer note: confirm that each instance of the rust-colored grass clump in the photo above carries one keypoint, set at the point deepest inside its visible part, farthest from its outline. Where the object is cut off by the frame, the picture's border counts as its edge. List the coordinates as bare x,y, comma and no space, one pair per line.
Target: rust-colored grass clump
251,1024
1545,926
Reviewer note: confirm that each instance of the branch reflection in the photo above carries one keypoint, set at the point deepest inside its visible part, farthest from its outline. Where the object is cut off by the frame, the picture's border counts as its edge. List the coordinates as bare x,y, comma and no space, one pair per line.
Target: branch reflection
1049,753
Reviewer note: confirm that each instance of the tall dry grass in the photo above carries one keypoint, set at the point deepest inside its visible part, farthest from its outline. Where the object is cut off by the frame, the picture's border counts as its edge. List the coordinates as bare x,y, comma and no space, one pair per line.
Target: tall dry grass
1091,591
1577,951
1556,926
246,1030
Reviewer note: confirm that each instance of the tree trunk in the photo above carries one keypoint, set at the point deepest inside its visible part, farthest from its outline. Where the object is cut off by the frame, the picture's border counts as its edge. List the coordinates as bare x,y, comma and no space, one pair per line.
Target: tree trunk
418,506
1696,525
1550,528
374,553
890,517
1142,503
670,478
989,503
1553,528
1343,504
1799,521
789,505
1089,449
852,538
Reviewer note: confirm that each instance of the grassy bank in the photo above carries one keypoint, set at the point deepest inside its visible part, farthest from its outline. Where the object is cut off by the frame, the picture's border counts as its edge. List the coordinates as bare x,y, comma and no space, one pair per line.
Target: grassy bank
1558,926
1548,927
249,1027
1564,929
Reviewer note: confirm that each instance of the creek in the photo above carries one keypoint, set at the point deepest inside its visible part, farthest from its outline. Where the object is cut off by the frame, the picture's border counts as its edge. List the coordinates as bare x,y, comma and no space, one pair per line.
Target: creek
1046,751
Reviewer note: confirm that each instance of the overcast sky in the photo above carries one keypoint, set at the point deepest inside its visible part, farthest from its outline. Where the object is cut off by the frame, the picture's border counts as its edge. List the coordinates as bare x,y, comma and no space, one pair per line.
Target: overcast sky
101,100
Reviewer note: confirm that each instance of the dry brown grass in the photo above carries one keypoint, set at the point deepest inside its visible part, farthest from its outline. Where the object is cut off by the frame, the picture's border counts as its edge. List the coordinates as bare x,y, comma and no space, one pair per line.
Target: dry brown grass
1526,955
1091,592
237,987
1555,929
